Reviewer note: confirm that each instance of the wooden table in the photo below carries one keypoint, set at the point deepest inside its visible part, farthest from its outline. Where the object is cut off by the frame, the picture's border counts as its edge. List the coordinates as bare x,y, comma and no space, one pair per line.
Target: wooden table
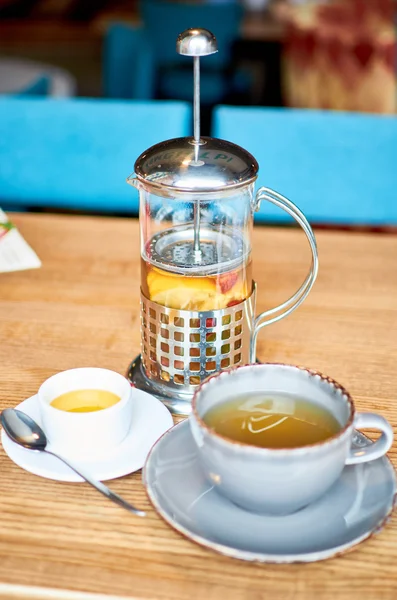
80,309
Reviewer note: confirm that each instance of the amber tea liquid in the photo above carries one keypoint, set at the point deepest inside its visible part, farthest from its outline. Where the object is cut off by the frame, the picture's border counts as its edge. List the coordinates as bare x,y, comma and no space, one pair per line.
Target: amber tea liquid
196,291
83,401
272,421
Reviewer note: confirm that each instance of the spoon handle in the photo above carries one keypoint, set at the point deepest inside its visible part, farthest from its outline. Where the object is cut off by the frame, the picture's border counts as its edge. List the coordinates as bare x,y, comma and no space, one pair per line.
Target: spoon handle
98,485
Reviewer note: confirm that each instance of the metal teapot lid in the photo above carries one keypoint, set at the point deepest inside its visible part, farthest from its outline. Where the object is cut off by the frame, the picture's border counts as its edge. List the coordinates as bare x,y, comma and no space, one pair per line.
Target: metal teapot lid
176,165
196,164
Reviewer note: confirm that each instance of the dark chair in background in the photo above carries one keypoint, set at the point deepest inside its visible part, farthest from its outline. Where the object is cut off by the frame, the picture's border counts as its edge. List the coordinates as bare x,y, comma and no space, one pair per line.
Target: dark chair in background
76,154
163,21
23,77
128,64
339,168
39,87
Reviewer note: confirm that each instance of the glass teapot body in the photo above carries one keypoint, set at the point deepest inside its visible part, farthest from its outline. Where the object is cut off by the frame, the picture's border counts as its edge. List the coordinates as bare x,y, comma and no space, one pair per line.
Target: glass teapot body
196,248
197,202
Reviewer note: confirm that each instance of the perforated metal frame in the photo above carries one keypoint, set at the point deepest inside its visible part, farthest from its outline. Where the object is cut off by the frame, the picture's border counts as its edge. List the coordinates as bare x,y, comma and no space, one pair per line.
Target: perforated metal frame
181,348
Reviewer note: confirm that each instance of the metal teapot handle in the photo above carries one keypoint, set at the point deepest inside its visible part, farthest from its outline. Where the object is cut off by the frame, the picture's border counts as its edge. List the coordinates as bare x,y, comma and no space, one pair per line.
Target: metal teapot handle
279,312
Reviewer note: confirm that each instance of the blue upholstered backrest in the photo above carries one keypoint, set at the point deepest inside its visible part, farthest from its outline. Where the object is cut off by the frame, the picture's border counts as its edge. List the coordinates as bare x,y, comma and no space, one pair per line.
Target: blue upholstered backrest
77,153
338,168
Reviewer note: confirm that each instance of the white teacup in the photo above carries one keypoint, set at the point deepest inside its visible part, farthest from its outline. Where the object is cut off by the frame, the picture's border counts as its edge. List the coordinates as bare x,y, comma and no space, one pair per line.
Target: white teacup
281,481
86,434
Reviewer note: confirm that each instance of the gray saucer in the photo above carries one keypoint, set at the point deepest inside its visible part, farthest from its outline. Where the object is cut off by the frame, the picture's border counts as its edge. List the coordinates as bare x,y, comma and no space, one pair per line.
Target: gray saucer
357,506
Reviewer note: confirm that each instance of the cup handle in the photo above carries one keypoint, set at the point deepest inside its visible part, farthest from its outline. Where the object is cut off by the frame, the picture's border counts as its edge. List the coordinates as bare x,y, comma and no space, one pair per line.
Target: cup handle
378,448
279,312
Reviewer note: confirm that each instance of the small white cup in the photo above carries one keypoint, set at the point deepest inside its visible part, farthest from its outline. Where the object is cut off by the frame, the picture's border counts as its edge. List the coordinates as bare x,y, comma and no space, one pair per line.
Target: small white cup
90,434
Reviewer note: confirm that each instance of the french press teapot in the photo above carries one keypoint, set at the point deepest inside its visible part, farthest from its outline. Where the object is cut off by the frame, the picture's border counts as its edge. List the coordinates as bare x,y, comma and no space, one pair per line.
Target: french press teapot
197,202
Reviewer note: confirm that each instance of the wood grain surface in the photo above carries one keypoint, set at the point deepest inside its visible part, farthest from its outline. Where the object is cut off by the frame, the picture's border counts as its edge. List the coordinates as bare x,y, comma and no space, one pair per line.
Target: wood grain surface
60,540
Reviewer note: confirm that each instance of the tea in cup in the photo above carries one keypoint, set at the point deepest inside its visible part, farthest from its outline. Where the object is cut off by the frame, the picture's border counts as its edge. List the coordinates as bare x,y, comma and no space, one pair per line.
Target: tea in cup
273,438
86,412
85,400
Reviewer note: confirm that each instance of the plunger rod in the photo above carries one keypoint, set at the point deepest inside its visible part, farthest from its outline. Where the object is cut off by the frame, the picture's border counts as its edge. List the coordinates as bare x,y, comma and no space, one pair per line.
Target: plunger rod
196,42
196,102
196,131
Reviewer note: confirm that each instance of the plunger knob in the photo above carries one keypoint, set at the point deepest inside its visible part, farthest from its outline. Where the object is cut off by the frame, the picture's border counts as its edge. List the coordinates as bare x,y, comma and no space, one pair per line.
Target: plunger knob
196,42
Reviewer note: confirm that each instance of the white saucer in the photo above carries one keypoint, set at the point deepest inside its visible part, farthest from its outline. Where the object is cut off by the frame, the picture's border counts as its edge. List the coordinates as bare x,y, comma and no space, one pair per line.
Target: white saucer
150,420
357,506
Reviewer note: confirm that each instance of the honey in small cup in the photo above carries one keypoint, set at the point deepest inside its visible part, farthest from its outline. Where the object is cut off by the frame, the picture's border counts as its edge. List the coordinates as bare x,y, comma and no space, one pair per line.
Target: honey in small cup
234,421
86,412
82,401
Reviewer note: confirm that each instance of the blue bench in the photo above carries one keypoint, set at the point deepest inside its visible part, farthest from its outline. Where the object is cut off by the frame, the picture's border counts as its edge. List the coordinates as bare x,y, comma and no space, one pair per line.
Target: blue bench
339,168
76,153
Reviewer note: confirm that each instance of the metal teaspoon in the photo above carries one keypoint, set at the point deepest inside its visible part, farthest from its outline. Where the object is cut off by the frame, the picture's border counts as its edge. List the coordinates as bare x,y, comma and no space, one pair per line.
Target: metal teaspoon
23,430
